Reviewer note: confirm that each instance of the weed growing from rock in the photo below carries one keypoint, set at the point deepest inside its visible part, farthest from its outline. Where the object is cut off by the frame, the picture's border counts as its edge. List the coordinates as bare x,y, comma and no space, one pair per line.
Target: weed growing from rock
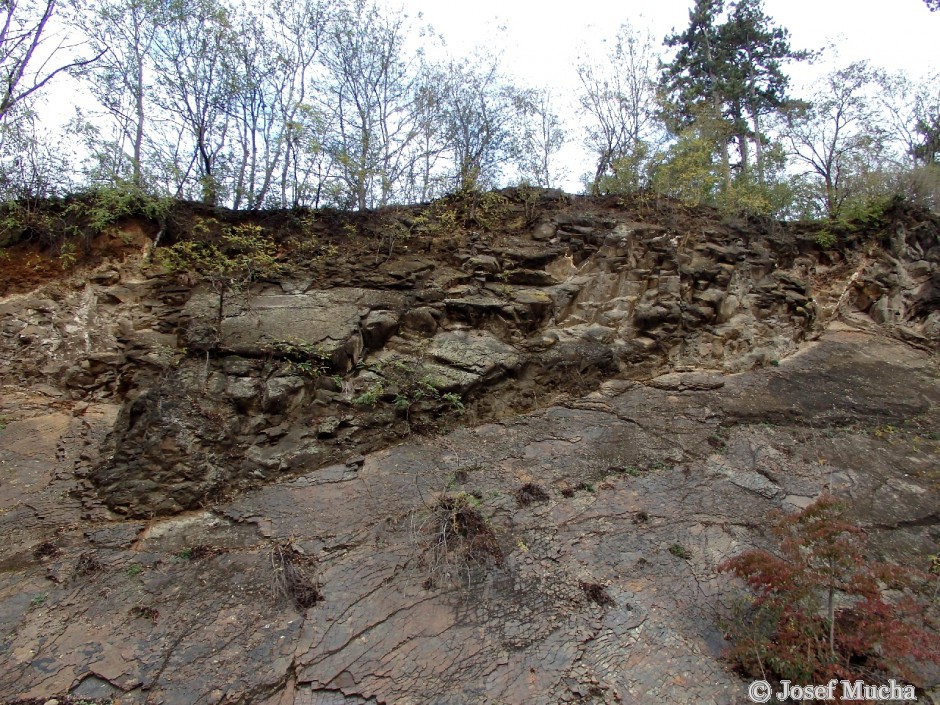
680,551
145,612
47,549
87,564
530,493
597,594
454,536
291,580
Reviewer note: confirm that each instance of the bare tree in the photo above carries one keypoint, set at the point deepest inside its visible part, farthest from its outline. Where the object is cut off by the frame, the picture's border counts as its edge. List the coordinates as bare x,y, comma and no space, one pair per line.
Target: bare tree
907,106
619,100
837,137
29,49
426,176
368,99
197,89
298,31
275,57
542,137
479,111
123,32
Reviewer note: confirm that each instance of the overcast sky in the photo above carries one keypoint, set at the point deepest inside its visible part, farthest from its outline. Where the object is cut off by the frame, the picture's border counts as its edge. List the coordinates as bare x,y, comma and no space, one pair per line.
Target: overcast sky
541,41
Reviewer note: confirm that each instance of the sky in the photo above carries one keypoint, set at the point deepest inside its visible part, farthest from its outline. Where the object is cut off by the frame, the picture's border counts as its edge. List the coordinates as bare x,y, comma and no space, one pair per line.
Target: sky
541,42
544,40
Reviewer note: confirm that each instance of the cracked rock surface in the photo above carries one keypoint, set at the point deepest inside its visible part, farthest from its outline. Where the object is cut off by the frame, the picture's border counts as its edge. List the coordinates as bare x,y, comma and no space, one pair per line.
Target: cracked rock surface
217,525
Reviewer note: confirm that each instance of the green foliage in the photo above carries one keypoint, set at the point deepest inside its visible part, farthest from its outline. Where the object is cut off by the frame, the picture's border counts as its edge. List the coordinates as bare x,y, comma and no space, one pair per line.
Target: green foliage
748,197
818,609
455,401
825,238
304,358
244,254
440,217
102,208
628,173
133,570
38,600
78,219
864,213
680,551
688,171
67,255
408,383
490,210
21,219
370,397
858,214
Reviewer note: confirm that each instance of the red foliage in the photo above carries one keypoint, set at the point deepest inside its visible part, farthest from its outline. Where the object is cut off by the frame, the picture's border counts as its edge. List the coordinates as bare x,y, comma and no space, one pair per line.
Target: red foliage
820,610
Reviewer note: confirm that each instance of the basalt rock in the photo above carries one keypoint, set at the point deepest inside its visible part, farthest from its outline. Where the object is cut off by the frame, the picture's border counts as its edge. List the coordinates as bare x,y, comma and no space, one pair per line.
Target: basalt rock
475,326
398,472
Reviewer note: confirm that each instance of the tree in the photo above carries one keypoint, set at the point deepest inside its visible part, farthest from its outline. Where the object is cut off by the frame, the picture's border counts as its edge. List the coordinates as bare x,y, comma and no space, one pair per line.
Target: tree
275,129
695,75
28,62
368,97
619,99
299,28
31,165
837,138
123,32
244,255
196,89
687,169
756,50
542,137
819,608
479,111
736,67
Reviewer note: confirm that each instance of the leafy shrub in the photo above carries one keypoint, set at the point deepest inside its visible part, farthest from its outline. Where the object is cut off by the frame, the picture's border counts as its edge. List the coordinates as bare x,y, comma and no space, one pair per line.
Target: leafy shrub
825,238
246,253
370,397
103,207
819,610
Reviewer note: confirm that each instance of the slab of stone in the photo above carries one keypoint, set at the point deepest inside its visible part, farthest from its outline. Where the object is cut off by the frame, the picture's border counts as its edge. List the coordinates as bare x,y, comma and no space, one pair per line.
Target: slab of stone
325,320
474,351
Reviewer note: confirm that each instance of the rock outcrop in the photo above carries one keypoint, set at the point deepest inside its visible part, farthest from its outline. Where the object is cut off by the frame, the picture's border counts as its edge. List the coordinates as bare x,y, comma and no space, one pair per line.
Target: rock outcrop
492,464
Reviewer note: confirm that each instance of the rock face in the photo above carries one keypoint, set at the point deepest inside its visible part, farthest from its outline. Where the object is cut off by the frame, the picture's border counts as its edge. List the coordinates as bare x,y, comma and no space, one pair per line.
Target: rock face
227,390
494,466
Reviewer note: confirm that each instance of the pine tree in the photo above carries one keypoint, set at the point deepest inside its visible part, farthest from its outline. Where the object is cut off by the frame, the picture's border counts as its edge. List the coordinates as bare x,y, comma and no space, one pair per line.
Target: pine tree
734,68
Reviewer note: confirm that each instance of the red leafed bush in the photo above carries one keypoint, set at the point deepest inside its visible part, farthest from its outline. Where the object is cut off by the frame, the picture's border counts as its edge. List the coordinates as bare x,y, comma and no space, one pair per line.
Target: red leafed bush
818,609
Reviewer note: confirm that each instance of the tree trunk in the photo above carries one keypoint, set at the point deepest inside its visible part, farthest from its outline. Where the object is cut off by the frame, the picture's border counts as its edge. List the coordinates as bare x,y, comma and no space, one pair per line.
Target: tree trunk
139,134
758,148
